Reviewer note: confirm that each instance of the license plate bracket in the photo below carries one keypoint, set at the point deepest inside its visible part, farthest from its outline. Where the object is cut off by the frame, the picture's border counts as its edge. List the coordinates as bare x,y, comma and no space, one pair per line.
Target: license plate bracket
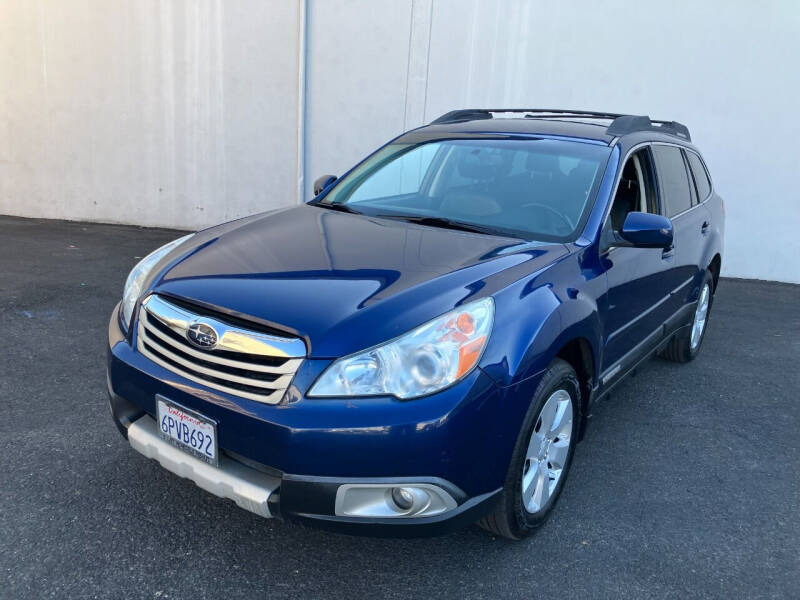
187,430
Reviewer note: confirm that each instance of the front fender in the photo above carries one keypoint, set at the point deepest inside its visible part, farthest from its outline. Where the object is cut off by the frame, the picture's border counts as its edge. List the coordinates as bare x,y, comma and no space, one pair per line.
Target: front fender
535,320
525,314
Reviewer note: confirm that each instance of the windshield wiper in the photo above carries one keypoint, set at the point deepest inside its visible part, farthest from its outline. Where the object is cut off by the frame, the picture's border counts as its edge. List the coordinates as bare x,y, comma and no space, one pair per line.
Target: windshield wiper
443,223
420,219
339,207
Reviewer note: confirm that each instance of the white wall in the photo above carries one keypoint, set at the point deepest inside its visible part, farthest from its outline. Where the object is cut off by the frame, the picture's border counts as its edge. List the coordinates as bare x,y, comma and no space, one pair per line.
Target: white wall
104,104
172,113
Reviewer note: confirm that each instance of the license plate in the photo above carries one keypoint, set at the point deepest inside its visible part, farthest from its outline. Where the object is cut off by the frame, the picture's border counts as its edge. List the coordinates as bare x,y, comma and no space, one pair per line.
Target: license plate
187,430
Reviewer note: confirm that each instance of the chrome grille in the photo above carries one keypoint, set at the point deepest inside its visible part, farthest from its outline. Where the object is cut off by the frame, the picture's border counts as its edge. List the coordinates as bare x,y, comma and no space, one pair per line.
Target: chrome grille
251,364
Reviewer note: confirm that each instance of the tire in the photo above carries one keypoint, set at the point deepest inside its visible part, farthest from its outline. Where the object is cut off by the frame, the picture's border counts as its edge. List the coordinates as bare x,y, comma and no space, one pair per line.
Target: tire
532,460
680,348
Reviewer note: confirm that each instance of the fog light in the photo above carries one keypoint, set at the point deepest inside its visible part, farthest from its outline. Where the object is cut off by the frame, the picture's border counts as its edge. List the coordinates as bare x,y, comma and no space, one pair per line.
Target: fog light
403,498
387,501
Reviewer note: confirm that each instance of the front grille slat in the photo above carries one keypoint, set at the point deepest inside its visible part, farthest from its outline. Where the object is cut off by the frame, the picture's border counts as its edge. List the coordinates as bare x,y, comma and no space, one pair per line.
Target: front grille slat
281,382
259,376
272,398
289,365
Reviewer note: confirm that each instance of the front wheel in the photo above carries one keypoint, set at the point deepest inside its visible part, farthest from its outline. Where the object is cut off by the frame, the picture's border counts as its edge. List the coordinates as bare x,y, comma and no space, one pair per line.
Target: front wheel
686,345
542,455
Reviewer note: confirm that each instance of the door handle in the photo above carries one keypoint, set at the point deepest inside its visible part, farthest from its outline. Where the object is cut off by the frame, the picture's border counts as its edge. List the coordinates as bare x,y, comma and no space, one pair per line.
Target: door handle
704,227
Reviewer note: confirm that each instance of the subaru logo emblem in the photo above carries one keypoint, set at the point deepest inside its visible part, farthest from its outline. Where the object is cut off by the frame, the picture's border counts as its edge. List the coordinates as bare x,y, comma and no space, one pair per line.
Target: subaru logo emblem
202,335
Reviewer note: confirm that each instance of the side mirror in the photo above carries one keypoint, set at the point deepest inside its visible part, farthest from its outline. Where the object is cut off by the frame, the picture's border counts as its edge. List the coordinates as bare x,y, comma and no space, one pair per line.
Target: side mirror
322,182
646,230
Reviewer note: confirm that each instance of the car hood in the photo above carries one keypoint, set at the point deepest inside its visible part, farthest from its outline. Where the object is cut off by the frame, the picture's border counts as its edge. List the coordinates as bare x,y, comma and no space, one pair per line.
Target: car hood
341,281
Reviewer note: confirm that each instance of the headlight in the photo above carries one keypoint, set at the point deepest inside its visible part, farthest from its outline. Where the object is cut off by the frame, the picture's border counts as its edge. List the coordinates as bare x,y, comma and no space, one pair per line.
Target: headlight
425,360
133,285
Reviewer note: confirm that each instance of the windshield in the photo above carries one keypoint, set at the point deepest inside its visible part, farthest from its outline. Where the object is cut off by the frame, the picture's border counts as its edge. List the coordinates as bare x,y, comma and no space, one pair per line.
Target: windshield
537,189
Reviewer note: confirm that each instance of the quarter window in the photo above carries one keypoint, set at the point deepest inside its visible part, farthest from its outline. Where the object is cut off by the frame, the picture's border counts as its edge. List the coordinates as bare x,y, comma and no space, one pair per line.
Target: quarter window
674,180
700,175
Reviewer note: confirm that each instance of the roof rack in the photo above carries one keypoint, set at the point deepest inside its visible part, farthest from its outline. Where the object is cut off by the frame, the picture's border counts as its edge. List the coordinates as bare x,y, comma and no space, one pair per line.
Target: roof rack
621,124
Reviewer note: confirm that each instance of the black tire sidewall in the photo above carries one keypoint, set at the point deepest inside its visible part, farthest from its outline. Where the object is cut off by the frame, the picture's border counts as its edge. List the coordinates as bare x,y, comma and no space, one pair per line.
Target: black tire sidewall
560,375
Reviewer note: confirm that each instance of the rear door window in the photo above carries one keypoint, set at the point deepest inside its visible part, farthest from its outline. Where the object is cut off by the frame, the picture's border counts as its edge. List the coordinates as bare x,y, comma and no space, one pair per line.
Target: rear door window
674,179
700,175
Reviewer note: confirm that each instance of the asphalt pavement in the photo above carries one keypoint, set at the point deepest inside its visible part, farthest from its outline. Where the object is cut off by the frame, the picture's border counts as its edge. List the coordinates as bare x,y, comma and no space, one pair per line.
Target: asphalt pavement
687,484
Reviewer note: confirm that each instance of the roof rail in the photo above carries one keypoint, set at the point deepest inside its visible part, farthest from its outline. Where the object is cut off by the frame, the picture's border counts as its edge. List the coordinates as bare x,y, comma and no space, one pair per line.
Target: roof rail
467,114
631,123
621,124
473,114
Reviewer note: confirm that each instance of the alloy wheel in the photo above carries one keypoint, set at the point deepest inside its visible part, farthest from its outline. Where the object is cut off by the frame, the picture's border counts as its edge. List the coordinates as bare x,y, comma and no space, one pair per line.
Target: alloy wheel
548,449
700,317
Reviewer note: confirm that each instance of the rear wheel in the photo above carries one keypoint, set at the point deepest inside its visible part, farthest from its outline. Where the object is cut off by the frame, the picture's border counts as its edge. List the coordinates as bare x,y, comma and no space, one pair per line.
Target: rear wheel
542,455
686,345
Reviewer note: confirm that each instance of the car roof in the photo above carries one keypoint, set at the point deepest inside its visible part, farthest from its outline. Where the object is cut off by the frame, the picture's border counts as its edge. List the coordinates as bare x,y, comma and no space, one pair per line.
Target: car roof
601,127
576,129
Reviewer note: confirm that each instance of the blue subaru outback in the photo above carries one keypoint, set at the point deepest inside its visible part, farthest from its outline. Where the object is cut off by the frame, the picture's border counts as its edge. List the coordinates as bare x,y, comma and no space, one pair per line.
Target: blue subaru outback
419,346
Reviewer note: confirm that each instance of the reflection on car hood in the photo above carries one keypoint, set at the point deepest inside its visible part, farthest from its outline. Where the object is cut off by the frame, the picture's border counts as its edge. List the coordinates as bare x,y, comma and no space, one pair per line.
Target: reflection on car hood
342,281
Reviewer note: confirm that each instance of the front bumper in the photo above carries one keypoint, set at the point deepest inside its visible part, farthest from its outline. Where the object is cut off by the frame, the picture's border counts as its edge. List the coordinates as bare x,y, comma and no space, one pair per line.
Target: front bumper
250,489
289,460
265,494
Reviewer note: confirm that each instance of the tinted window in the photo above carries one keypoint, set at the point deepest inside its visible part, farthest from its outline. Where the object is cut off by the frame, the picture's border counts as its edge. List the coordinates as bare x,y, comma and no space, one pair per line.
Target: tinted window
674,179
537,189
700,175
